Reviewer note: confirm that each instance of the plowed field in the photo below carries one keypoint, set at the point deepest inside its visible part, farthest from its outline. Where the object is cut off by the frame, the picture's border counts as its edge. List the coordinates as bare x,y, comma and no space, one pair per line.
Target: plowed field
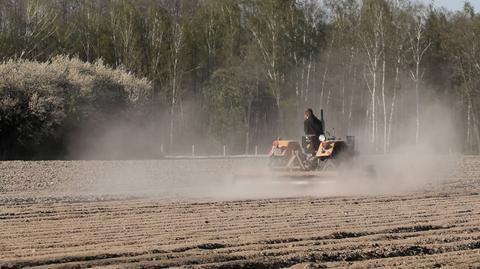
193,214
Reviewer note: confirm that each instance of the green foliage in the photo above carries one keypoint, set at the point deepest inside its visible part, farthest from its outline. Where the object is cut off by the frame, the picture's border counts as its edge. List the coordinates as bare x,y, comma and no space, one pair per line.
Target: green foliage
228,98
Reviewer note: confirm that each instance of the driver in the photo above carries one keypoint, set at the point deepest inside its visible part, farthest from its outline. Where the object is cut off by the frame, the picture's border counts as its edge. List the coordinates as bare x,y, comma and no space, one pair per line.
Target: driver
312,126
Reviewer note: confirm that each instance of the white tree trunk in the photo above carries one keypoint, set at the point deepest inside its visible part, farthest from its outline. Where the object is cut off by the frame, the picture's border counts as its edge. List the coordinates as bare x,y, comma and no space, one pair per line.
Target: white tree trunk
469,109
307,85
417,105
418,51
325,72
172,105
177,45
373,99
392,105
384,106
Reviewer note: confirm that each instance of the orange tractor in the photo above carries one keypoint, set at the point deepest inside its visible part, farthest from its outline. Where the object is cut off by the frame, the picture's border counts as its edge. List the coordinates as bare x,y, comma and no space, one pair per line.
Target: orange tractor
310,159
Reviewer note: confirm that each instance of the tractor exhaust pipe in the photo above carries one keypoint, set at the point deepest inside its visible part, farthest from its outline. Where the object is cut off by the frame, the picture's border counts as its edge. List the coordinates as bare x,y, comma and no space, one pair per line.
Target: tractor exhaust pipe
322,120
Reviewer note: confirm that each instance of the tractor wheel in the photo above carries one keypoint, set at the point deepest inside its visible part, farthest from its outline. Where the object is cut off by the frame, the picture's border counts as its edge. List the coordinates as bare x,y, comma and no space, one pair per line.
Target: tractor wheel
311,163
330,165
327,165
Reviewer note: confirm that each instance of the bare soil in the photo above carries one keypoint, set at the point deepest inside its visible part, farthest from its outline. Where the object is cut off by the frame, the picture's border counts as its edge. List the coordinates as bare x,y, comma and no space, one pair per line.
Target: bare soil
142,214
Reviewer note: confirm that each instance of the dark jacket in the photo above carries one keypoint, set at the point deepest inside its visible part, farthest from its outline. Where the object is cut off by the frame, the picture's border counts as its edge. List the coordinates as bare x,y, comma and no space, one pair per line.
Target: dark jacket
313,126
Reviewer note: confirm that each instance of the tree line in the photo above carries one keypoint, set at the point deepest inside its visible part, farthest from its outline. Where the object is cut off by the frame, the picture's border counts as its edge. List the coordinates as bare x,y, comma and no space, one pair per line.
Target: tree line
241,72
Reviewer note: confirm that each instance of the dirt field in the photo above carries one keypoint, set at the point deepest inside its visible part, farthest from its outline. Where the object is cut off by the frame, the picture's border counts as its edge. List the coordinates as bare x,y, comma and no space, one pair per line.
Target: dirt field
195,214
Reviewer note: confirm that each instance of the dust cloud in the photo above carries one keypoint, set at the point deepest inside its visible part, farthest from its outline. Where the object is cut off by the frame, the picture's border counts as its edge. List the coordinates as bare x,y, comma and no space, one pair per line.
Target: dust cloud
234,179
409,166
115,140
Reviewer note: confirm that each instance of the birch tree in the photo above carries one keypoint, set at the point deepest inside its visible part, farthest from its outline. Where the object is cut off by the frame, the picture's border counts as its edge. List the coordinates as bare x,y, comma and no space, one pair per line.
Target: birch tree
465,37
307,41
40,28
400,17
156,35
372,36
176,44
123,19
266,24
418,46
345,21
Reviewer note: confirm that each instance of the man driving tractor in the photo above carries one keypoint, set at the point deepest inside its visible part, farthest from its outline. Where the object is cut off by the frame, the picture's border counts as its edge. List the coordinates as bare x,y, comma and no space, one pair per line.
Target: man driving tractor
316,152
312,127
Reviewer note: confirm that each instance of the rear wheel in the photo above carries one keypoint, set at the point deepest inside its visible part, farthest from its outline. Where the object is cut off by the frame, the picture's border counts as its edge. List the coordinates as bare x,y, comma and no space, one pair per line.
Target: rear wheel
311,163
330,165
327,165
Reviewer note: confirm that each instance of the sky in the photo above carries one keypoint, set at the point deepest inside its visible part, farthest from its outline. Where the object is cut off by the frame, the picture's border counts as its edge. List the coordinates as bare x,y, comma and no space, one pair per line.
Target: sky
455,4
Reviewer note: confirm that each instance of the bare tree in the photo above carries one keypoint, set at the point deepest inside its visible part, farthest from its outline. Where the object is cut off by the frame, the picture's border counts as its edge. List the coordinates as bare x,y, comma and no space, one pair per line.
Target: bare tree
373,39
418,47
266,24
124,34
176,46
39,28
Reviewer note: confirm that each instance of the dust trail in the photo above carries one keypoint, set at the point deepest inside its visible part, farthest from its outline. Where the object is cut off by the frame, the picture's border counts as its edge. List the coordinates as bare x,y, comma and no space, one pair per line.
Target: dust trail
410,166
249,179
394,174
